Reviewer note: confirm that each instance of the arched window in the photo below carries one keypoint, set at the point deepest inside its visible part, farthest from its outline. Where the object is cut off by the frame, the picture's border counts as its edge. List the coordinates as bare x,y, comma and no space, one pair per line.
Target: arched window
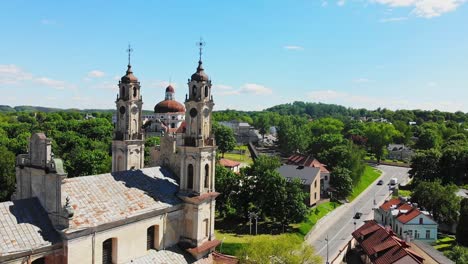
190,176
134,91
194,91
206,91
39,261
207,175
107,252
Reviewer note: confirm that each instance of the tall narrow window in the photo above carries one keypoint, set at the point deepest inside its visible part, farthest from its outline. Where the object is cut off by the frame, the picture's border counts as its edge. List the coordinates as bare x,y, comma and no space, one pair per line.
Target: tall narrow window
207,227
207,175
420,221
150,238
107,251
194,91
428,234
134,91
206,91
190,176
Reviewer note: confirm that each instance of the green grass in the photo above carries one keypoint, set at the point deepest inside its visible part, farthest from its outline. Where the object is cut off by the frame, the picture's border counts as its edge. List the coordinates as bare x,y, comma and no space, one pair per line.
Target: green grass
238,157
369,176
445,243
314,215
404,193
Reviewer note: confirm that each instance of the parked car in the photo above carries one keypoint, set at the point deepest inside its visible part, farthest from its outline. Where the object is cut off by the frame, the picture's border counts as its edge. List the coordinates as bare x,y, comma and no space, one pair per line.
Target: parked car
357,215
393,181
380,182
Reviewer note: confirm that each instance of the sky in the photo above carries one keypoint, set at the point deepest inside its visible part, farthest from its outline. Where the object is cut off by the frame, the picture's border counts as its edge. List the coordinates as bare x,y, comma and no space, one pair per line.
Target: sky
396,54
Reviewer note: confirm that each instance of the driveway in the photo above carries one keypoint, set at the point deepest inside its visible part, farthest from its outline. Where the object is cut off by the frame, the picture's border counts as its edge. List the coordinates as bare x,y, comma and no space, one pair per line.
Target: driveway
339,224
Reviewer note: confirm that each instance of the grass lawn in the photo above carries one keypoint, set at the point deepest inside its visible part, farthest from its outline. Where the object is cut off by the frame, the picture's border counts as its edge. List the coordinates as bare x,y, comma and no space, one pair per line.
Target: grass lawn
369,176
404,193
445,243
239,157
314,215
233,243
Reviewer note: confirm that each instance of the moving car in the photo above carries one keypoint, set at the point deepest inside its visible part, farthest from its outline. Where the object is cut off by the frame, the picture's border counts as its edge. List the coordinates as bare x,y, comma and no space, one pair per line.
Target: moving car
393,181
357,215
380,182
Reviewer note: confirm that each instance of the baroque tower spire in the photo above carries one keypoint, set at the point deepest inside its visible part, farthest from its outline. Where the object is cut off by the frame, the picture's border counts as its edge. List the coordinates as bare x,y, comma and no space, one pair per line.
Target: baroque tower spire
128,142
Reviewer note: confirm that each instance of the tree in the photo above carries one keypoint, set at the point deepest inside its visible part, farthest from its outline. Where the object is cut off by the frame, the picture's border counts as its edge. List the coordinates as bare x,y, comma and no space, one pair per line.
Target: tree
440,200
425,165
428,139
462,227
83,162
7,173
340,179
379,135
150,142
458,254
227,184
225,139
326,125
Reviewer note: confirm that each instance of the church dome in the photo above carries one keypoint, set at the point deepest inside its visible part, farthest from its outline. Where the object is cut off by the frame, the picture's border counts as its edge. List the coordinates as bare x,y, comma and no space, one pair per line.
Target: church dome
169,106
129,77
200,75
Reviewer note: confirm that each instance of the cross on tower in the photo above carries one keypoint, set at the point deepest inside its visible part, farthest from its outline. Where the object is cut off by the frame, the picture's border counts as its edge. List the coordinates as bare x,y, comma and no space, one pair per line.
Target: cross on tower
129,51
200,45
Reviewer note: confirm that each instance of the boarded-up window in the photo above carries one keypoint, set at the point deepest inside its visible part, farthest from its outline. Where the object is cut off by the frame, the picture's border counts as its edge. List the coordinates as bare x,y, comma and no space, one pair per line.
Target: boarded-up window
107,251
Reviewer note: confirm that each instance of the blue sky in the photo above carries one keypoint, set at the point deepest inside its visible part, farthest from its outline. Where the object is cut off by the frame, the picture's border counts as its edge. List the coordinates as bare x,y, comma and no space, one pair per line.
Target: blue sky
398,54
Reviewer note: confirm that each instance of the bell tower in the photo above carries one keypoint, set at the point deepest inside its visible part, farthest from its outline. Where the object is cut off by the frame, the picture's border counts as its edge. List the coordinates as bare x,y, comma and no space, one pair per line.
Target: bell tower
128,143
197,165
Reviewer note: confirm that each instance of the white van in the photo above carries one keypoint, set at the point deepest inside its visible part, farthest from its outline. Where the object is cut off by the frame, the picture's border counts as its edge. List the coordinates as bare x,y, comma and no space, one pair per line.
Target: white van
393,181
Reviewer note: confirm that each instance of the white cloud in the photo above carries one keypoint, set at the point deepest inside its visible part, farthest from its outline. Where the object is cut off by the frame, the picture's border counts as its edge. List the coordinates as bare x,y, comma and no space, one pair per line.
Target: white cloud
392,19
12,74
59,85
293,47
221,87
341,2
96,74
253,88
424,8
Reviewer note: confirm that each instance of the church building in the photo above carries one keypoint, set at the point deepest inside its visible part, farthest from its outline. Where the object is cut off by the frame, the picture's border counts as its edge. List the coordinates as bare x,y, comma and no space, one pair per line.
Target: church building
133,214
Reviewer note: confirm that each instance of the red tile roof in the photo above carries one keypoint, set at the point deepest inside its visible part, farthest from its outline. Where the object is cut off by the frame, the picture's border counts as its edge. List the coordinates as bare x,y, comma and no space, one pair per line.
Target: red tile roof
410,215
382,246
229,163
224,259
204,247
306,161
387,205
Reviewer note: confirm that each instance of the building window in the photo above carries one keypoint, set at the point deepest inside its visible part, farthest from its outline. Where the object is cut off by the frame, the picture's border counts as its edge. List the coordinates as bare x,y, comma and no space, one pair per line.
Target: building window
382,218
39,261
150,238
416,234
207,227
206,91
190,176
420,221
172,125
326,177
173,117
410,233
315,196
315,184
107,251
428,234
194,91
207,175
134,91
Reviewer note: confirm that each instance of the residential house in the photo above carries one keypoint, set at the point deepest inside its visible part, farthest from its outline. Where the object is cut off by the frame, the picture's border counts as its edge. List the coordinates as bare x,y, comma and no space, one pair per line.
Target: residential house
230,164
309,161
380,245
399,152
406,220
309,177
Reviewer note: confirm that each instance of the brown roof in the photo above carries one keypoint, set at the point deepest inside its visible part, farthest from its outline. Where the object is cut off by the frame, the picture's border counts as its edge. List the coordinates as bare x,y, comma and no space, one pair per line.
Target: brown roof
306,161
382,246
170,89
129,77
106,198
204,247
229,163
224,259
200,74
387,205
169,106
405,218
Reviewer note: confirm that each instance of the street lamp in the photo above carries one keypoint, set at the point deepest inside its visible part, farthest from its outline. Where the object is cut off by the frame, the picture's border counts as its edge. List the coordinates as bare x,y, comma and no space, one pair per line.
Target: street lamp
326,239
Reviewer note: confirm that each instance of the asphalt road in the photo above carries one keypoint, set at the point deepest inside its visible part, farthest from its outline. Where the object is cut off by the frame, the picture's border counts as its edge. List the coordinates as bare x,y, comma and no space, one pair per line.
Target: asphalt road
339,224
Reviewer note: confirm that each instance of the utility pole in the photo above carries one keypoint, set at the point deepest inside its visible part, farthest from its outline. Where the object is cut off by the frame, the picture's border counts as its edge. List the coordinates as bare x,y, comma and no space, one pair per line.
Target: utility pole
326,239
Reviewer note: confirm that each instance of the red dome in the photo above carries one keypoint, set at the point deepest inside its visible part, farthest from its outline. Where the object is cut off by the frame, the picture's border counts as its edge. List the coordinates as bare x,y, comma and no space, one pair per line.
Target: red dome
169,106
170,89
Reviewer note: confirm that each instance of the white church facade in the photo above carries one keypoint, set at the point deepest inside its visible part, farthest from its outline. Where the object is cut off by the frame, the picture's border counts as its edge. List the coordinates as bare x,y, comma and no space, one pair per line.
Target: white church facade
159,214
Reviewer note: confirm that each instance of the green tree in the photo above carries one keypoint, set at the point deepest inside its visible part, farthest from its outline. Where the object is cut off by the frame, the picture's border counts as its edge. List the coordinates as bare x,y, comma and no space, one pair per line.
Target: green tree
458,254
225,139
83,162
440,200
262,123
379,135
7,173
428,139
326,125
150,142
340,179
462,227
425,165
228,185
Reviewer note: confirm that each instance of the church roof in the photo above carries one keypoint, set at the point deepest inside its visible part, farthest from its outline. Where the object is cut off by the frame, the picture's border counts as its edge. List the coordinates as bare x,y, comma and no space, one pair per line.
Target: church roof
200,74
110,197
129,77
24,226
169,106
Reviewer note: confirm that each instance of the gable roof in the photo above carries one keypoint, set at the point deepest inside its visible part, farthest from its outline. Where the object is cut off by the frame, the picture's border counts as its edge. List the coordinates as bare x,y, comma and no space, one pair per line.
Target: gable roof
387,205
110,197
403,212
24,226
306,175
410,215
306,161
229,163
382,246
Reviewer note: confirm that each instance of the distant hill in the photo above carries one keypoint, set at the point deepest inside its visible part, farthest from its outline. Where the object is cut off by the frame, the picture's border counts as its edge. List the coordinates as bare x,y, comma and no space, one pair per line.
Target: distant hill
29,108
